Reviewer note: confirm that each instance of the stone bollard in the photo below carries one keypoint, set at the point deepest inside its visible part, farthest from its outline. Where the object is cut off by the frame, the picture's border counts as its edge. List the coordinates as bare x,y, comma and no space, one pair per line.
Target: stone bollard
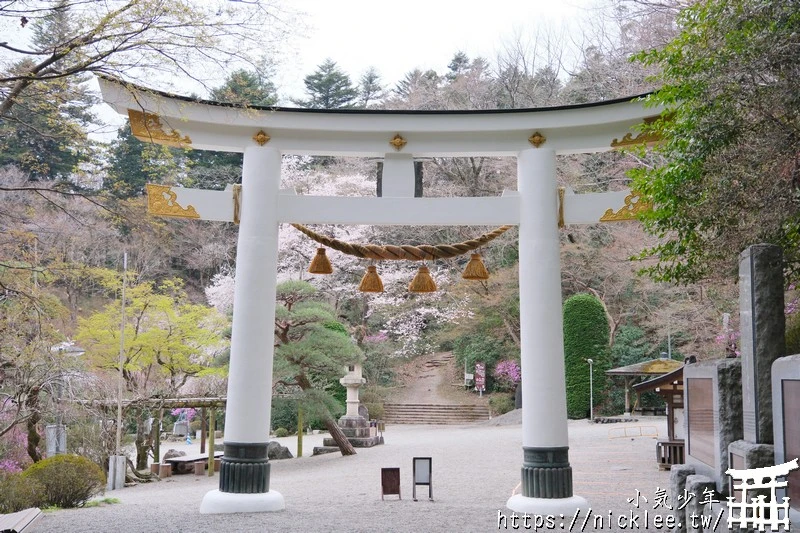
154,468
199,468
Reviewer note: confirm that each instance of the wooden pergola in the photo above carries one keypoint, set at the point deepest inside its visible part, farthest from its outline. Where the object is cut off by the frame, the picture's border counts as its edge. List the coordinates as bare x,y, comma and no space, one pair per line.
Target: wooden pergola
208,408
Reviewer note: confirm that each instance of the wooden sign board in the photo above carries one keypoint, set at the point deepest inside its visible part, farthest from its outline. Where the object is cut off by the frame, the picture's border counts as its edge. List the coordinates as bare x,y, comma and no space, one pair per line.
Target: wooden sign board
390,482
700,413
423,473
791,436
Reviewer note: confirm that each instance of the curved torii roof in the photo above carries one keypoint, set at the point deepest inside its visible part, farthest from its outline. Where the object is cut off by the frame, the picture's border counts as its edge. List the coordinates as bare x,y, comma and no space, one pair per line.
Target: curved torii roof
180,121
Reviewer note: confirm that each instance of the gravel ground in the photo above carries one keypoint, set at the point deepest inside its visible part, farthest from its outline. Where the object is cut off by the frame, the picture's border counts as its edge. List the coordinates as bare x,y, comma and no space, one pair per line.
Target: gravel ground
476,468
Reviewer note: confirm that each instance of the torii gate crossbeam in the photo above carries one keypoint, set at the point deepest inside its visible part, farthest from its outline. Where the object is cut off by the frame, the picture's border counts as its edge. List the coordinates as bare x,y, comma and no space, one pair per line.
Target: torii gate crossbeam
533,136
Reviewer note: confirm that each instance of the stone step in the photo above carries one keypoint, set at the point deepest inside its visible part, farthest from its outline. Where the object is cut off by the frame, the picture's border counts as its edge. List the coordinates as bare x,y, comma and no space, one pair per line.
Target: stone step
435,414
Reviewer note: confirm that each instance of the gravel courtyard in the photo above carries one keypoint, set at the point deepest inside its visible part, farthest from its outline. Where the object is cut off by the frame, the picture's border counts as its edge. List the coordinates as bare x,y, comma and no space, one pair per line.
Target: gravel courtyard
475,470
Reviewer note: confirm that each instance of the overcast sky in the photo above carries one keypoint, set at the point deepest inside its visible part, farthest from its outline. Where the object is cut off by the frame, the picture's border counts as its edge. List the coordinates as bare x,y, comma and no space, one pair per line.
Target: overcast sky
398,36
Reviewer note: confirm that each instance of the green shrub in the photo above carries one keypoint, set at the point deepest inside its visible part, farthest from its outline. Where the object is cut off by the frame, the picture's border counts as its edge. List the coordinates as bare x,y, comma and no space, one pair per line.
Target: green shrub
284,414
586,336
18,492
501,404
281,432
68,480
376,410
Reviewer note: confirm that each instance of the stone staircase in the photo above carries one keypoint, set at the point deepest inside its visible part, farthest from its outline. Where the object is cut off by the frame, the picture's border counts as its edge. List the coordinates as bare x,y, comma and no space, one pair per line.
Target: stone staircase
410,413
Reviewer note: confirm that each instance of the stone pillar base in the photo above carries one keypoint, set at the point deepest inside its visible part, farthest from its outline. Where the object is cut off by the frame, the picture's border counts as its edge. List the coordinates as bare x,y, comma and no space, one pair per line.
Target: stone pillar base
245,468
558,507
218,502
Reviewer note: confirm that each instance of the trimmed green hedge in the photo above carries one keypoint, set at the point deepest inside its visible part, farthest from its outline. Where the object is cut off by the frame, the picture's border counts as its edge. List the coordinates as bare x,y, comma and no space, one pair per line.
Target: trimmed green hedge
586,336
68,480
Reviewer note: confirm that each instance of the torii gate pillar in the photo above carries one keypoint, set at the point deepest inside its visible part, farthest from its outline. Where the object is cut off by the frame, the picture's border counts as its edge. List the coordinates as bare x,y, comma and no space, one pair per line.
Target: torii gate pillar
245,469
546,473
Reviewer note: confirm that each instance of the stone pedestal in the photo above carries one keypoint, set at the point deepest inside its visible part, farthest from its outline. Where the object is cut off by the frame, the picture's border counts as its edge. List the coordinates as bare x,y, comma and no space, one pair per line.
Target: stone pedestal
357,431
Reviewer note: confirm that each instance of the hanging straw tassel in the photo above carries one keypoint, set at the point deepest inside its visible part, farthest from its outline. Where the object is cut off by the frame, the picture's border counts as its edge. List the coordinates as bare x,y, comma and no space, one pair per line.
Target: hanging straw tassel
371,282
320,264
475,269
422,282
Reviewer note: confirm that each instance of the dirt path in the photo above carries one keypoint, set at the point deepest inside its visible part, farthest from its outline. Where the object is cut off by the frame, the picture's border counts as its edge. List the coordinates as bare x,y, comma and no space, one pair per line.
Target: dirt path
432,379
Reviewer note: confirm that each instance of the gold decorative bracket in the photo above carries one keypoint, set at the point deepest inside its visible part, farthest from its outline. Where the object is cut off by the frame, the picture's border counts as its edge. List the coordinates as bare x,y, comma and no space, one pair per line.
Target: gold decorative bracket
398,142
537,139
147,127
261,138
161,200
633,206
646,138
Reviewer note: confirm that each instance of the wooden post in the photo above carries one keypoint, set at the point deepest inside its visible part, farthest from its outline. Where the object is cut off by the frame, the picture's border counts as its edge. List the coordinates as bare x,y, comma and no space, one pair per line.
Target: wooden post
212,413
157,440
203,430
299,431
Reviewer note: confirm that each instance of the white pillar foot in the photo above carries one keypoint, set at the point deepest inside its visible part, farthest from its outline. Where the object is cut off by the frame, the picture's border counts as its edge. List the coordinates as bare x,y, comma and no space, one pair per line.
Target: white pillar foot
218,502
559,508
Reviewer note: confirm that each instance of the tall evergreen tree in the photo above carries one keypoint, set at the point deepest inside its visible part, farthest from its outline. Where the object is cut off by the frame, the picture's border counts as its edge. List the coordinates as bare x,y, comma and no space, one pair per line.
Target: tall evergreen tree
248,88
370,88
44,134
329,87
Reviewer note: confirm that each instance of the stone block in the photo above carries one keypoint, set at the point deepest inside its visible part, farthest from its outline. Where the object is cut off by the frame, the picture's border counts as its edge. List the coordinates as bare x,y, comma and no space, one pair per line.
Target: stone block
677,485
699,486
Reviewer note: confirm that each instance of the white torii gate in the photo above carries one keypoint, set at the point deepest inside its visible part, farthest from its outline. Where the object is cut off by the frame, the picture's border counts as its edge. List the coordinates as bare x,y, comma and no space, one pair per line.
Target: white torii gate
533,136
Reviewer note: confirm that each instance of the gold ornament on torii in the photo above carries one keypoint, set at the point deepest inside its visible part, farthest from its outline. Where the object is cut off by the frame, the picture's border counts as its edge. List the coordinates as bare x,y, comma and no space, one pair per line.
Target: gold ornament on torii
147,127
161,200
633,206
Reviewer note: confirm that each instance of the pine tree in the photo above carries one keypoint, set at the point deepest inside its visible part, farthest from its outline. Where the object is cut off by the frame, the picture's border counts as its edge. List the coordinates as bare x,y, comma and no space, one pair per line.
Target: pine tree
329,88
371,89
44,133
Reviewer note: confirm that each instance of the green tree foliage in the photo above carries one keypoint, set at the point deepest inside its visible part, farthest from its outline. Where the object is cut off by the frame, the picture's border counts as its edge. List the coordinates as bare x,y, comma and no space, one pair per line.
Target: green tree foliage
312,353
329,87
730,174
167,341
586,335
247,87
133,164
208,169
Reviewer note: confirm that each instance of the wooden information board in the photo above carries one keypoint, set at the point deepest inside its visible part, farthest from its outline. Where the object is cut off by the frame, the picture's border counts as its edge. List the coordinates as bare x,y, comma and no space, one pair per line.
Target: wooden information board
390,482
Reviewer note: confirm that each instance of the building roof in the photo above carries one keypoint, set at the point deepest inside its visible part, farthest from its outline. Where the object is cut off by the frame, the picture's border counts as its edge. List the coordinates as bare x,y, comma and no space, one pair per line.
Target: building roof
675,377
647,368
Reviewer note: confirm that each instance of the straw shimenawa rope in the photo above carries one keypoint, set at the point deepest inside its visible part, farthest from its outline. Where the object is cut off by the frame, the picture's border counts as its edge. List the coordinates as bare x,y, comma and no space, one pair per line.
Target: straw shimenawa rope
423,252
